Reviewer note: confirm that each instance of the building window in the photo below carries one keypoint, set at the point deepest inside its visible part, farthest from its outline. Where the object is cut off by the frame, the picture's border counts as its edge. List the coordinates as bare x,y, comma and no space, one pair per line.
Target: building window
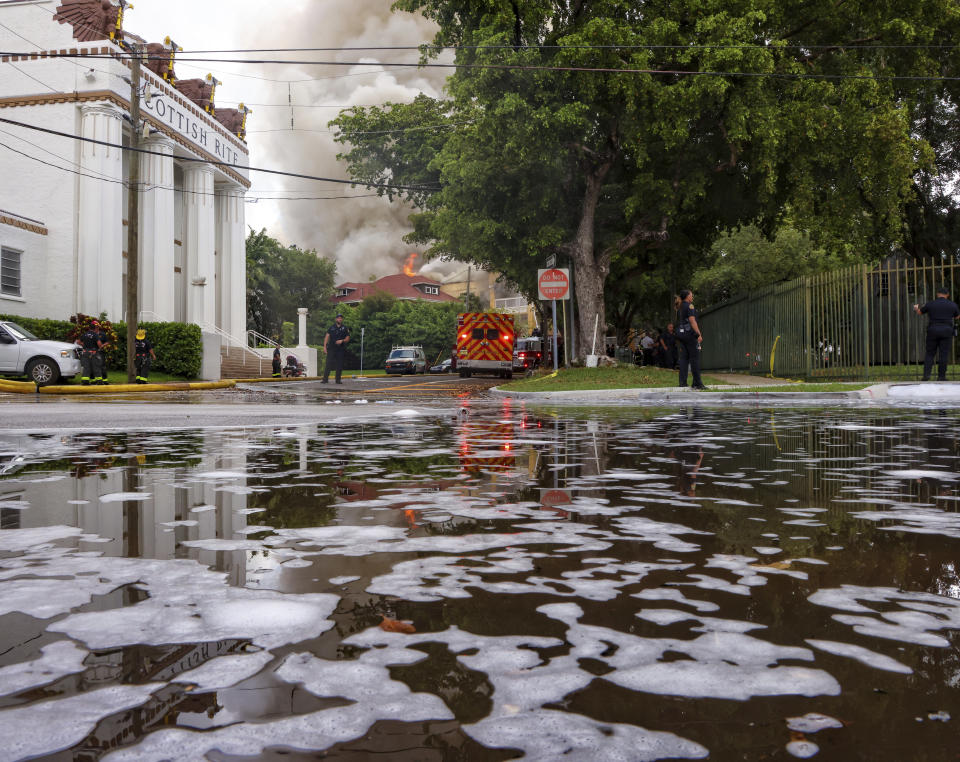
10,272
344,291
431,290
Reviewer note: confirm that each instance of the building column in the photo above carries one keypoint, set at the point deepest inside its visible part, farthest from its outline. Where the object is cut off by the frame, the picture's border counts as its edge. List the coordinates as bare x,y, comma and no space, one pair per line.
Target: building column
100,213
232,262
199,241
157,231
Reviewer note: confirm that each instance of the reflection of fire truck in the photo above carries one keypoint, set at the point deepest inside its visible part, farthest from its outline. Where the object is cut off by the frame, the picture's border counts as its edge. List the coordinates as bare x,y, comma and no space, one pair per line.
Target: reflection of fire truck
485,344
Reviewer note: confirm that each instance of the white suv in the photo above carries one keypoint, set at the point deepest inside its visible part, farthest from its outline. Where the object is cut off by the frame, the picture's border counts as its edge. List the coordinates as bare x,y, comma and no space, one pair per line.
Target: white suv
45,362
406,360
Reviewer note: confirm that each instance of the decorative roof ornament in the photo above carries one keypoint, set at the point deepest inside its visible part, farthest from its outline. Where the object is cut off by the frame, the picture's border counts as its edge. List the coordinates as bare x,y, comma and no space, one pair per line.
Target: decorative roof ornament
92,19
116,33
242,134
168,74
213,82
197,90
234,119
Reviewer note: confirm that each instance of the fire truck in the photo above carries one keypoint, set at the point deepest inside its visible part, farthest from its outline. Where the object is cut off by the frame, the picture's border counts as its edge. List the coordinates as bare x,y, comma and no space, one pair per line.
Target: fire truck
485,344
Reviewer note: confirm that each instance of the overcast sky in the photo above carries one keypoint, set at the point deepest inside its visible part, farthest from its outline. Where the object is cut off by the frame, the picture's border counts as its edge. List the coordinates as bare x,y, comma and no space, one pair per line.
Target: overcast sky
363,234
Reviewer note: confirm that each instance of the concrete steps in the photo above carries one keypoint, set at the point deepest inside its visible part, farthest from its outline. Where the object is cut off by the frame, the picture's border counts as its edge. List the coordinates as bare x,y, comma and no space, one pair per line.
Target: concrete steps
235,362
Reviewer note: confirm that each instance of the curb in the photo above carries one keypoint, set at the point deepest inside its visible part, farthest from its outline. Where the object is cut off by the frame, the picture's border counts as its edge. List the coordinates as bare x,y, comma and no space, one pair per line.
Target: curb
666,394
272,380
23,387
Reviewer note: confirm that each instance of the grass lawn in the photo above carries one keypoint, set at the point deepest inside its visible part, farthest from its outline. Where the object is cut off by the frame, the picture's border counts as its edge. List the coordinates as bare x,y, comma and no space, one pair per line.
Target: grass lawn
120,377
580,379
881,373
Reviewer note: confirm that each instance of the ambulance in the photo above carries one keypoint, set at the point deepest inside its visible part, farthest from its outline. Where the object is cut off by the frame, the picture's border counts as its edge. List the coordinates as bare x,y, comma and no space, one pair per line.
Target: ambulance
485,344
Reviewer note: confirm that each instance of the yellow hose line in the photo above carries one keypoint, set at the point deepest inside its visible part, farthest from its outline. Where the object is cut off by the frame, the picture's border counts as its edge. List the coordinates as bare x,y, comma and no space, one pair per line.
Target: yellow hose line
17,387
114,388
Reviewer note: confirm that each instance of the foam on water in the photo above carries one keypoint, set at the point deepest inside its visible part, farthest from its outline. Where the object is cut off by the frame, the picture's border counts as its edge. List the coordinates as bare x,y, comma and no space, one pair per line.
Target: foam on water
909,625
225,671
861,654
812,722
124,497
187,604
57,660
49,726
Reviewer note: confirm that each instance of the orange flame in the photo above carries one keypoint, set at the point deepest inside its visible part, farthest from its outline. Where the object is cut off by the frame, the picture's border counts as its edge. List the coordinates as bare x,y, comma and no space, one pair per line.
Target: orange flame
408,265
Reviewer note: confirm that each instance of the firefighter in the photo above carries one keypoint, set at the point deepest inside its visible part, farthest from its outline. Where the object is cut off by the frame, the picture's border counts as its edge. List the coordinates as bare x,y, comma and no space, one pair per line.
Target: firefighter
89,342
104,343
145,356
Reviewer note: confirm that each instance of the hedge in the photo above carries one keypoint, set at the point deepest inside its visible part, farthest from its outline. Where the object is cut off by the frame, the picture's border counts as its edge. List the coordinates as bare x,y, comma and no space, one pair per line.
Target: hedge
178,346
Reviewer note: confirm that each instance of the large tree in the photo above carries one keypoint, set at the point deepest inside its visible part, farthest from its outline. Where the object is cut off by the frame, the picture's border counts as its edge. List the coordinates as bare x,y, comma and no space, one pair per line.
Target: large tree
624,130
281,279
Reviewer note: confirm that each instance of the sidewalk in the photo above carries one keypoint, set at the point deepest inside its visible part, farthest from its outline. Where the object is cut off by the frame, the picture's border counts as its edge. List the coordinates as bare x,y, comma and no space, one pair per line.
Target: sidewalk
890,393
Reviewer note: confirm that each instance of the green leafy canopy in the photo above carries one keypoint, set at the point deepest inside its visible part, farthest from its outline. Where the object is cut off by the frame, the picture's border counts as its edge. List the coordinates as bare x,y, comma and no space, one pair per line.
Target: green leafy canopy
731,114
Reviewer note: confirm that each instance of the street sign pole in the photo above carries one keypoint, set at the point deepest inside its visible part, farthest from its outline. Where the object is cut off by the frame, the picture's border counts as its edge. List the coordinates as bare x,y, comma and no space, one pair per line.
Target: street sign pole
361,351
554,302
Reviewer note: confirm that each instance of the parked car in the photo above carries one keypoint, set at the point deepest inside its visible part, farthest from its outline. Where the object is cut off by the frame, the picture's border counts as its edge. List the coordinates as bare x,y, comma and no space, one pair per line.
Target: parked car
445,367
44,362
406,360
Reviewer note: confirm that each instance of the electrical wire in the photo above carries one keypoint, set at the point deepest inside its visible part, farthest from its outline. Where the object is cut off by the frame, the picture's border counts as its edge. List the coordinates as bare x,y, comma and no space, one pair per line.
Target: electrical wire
147,188
535,67
229,165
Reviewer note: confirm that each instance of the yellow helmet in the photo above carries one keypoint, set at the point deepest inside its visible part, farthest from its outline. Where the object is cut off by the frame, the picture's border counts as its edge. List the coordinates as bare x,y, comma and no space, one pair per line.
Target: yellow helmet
141,334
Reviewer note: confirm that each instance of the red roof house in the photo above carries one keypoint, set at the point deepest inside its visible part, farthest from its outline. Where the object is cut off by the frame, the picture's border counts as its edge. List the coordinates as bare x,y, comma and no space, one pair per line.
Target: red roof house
401,286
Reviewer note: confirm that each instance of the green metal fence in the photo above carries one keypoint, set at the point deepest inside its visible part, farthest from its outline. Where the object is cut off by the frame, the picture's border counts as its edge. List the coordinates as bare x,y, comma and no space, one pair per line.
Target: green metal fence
857,322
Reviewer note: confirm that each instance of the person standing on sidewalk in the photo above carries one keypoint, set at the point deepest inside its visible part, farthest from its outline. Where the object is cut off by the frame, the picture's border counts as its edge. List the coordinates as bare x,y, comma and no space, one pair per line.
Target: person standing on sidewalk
335,347
89,342
689,338
145,356
942,314
104,346
277,363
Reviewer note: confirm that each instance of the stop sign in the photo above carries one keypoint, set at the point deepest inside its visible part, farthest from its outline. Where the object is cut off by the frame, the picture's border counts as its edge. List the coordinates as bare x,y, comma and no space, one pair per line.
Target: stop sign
554,283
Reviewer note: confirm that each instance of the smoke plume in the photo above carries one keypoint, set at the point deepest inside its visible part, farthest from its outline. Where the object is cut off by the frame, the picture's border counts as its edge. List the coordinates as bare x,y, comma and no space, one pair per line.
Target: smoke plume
363,234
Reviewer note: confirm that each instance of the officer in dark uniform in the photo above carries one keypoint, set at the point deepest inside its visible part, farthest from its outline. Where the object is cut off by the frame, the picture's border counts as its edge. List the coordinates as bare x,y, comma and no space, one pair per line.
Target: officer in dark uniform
335,347
89,342
277,365
689,338
941,313
104,343
145,356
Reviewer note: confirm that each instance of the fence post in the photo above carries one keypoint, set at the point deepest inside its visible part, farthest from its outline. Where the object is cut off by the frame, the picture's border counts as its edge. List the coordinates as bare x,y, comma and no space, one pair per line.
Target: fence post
866,335
807,323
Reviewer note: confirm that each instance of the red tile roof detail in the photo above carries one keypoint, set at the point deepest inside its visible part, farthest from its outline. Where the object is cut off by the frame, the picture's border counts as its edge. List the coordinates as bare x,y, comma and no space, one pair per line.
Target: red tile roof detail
400,286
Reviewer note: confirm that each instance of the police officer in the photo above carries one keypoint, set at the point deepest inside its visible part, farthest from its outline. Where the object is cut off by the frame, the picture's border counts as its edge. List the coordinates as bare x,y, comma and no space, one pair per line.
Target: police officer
941,313
145,356
89,342
334,347
104,344
277,366
689,338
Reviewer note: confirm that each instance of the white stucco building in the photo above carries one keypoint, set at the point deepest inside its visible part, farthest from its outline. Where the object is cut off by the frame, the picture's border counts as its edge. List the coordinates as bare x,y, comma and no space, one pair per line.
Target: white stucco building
63,202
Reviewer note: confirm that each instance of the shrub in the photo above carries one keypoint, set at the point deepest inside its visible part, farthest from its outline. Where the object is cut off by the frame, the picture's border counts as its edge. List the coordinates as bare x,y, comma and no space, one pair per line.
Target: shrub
179,346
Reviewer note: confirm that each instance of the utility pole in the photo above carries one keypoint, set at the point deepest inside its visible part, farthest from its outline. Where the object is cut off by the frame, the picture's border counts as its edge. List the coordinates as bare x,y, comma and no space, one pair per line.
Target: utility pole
133,217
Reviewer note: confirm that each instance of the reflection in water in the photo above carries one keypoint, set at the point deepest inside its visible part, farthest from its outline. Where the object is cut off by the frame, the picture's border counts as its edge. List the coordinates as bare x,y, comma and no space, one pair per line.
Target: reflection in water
655,584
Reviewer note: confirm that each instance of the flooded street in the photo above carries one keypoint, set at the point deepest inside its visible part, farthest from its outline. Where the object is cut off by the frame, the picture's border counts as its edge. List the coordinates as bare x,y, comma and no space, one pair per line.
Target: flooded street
486,580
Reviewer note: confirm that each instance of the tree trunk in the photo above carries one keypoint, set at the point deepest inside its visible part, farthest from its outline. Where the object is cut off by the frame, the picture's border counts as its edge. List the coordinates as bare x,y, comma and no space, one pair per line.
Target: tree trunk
590,271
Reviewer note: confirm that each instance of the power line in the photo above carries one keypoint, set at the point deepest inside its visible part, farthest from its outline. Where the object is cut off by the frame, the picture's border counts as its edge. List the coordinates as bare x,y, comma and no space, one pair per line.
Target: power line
147,188
535,67
281,173
678,46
